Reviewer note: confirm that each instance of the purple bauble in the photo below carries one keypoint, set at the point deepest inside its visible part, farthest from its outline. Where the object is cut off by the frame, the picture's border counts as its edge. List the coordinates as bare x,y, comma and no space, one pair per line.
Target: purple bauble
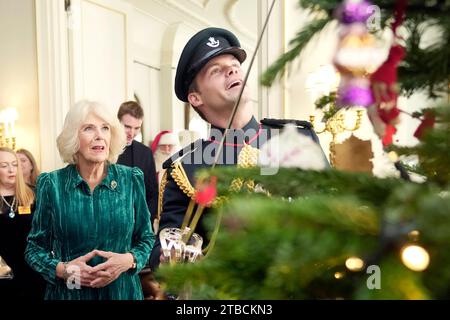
352,11
354,95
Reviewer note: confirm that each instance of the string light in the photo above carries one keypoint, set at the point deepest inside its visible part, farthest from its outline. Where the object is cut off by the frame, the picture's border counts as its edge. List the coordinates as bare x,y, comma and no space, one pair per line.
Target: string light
354,264
338,275
414,235
393,156
415,257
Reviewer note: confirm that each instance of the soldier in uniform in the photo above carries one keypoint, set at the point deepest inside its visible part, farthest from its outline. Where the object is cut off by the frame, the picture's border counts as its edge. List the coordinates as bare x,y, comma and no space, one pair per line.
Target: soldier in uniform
209,76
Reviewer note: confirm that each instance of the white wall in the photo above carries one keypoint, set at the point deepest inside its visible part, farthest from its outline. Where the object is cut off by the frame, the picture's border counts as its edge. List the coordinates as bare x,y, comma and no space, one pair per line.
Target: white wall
18,70
146,40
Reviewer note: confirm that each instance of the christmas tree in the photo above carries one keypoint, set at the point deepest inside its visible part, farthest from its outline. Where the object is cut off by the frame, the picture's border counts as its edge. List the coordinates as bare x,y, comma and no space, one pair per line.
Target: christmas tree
328,234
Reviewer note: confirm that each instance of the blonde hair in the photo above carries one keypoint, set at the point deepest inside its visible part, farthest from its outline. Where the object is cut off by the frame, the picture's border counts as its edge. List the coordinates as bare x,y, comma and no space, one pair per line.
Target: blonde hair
24,194
68,142
35,170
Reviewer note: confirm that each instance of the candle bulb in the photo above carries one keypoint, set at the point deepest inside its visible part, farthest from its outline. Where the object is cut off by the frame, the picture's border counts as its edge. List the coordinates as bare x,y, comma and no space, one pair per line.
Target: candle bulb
6,129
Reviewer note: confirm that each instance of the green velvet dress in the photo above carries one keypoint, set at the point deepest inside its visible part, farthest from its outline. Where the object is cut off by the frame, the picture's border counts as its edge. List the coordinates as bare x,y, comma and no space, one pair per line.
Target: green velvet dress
70,221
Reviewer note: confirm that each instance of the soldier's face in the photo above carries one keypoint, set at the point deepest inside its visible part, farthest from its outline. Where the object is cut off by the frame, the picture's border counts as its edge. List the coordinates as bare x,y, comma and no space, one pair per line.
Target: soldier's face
219,83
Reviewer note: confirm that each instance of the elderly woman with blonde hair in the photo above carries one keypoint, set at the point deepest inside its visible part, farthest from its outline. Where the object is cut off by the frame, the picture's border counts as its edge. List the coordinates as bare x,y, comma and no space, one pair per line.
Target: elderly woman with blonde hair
91,231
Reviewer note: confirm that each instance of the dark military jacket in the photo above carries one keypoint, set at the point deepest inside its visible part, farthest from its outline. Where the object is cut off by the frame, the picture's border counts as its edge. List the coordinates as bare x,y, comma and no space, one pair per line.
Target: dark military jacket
182,167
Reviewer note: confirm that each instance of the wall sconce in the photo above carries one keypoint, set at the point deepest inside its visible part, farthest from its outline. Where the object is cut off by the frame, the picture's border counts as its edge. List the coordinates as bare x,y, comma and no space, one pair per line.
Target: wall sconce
336,125
321,83
8,118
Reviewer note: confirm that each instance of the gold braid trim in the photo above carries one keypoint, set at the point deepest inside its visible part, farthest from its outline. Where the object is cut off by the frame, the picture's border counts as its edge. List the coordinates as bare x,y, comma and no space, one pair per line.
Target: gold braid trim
181,179
219,201
236,185
162,187
250,185
248,158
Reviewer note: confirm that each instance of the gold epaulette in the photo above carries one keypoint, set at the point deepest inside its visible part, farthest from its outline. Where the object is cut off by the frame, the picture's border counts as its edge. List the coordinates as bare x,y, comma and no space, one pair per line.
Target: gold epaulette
181,179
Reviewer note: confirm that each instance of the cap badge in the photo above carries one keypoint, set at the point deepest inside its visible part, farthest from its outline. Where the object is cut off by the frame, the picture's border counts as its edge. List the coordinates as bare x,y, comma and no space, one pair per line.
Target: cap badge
213,43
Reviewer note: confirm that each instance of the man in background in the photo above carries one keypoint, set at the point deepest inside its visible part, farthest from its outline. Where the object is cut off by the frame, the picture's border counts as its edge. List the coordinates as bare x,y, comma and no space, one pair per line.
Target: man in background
136,154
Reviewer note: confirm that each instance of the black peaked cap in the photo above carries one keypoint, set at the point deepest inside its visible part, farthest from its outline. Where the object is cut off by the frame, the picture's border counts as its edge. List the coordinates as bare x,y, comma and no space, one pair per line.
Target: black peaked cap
202,47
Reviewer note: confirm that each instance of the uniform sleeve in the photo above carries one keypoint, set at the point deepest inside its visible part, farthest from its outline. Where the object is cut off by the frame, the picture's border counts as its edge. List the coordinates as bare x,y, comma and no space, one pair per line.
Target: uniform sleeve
143,236
38,252
174,208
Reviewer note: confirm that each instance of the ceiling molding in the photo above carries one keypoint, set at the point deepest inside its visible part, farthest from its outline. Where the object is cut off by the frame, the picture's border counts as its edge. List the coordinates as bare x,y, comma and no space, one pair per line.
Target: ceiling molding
195,17
230,13
186,9
148,14
200,3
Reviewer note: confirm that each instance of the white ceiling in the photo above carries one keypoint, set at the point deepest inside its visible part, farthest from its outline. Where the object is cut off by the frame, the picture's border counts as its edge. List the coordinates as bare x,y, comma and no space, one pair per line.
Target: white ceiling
238,15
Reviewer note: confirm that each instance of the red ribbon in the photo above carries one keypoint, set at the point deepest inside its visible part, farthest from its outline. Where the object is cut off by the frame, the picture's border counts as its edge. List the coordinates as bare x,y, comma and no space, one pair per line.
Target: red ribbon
399,14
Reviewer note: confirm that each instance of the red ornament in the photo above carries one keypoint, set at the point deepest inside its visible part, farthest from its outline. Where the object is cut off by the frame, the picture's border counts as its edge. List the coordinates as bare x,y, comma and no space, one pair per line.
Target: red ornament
383,123
388,135
384,115
384,80
385,93
206,192
389,116
427,123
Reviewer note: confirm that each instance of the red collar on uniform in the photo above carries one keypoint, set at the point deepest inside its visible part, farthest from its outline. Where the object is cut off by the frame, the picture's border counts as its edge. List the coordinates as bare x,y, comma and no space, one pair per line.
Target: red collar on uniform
239,144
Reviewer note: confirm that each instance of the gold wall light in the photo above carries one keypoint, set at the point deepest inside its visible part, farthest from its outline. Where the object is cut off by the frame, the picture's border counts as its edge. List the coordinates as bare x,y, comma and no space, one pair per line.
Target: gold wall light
8,118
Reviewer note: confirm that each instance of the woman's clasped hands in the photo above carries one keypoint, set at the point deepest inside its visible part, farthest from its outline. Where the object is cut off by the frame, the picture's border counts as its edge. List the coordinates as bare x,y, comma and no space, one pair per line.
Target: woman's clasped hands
101,275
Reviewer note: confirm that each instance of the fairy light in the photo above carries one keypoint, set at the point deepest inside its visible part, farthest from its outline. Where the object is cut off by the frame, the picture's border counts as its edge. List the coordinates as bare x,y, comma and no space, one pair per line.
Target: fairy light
354,264
393,156
414,235
415,257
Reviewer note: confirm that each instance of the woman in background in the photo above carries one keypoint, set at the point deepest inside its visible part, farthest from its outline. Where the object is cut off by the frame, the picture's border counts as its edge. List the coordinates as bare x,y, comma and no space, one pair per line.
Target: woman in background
16,211
29,166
